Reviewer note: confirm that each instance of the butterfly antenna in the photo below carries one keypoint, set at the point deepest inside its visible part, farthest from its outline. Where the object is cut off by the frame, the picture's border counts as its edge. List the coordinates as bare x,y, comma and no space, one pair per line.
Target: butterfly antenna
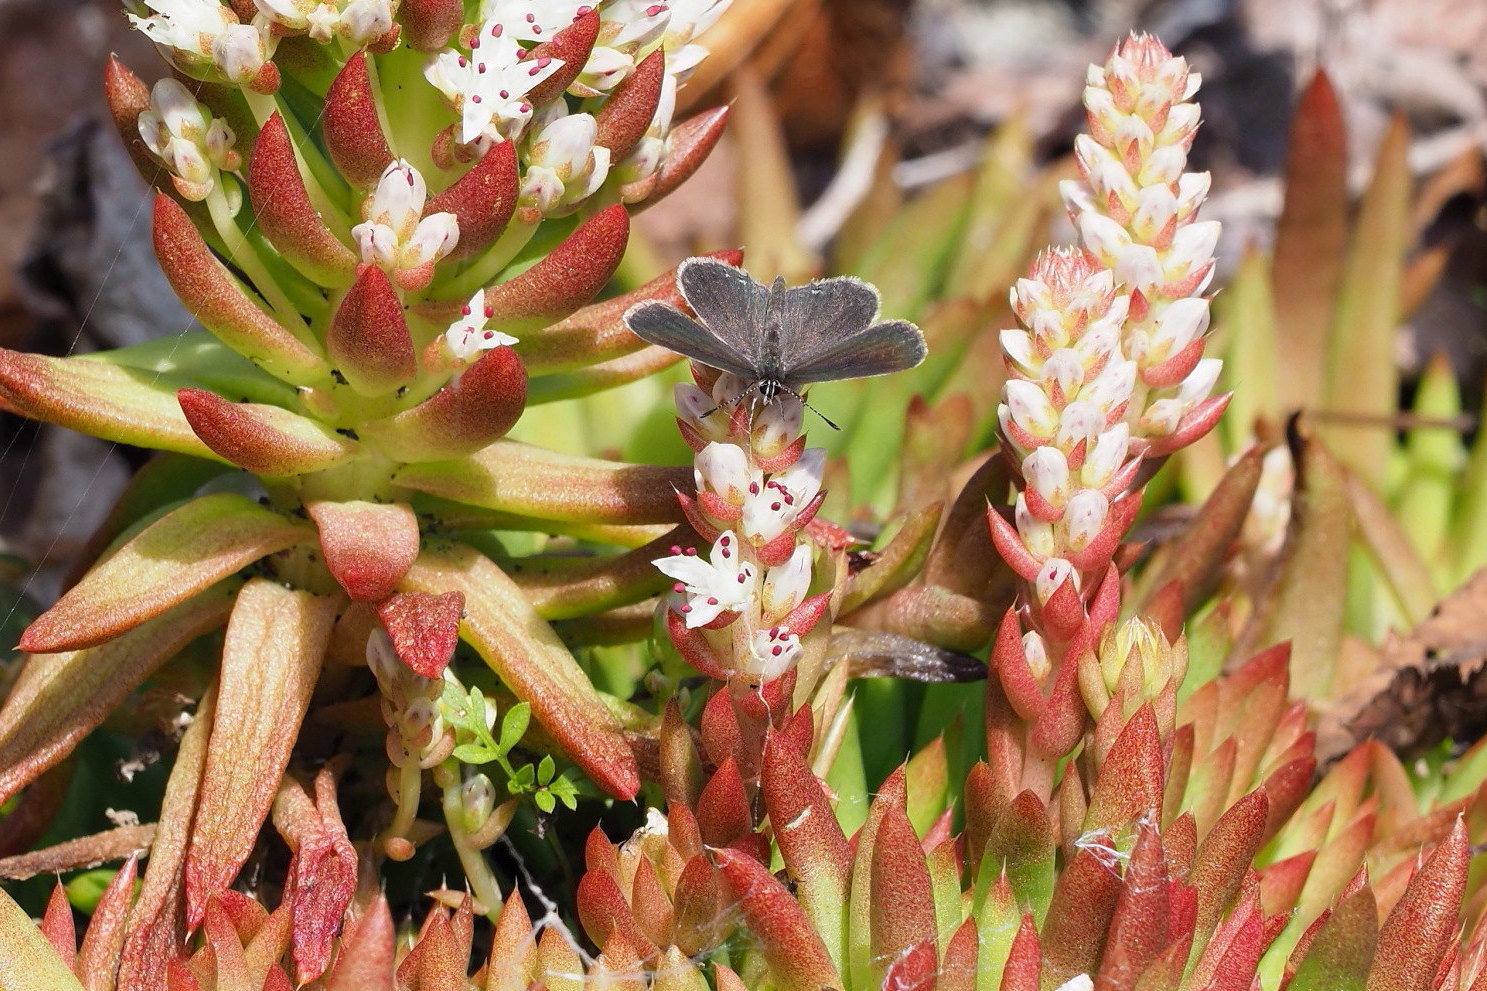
824,418
723,405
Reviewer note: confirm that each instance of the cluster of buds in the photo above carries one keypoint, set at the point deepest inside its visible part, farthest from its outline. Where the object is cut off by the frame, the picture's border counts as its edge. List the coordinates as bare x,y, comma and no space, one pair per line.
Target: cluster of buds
1136,210
207,40
194,146
1105,374
741,608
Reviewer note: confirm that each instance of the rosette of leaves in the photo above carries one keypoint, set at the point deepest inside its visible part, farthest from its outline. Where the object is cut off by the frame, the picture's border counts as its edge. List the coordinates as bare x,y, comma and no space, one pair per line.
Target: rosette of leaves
327,465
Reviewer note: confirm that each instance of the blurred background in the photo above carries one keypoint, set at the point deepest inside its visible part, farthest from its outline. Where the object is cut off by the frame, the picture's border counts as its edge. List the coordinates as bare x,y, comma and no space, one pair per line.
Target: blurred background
869,102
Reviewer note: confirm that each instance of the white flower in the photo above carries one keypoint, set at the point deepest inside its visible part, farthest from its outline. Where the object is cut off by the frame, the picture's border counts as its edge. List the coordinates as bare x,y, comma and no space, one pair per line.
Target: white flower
1051,576
564,166
1079,982
487,87
724,469
469,335
785,584
772,652
184,135
395,236
722,582
360,22
204,34
689,18
770,511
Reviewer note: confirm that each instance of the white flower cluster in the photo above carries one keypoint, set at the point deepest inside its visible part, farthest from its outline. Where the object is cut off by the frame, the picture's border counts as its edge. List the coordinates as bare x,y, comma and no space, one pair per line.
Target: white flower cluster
395,235
1107,368
192,144
491,81
205,38
1136,210
360,22
747,592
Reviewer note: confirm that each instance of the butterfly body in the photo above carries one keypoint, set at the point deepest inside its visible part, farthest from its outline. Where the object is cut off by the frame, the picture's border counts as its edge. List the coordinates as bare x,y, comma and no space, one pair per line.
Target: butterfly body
777,339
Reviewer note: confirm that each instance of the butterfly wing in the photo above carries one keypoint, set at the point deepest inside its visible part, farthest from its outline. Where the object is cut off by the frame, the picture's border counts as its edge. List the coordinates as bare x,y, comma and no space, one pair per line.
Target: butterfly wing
880,348
657,323
730,303
828,333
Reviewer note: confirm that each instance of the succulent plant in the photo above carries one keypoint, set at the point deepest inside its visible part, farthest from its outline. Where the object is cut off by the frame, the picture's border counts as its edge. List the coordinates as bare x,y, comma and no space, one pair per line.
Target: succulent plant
1129,797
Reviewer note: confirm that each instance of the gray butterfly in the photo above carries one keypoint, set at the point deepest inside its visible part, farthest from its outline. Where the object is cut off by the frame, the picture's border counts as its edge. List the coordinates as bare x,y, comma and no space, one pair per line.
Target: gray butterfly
778,339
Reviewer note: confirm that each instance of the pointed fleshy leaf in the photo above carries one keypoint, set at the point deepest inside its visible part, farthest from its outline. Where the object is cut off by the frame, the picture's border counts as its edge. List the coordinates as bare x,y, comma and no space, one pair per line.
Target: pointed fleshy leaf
513,950
427,26
424,628
1022,845
98,957
1311,240
59,698
1362,379
1194,559
1140,925
523,650
687,147
602,908
566,278
1392,549
1129,782
98,398
532,481
1074,931
127,97
860,961
352,126
797,959
571,46
57,926
475,409
1423,926
903,909
598,332
1222,859
368,546
1339,956
262,438
181,554
627,113
482,200
368,340
723,811
368,952
220,303
284,211
271,657
815,851
27,961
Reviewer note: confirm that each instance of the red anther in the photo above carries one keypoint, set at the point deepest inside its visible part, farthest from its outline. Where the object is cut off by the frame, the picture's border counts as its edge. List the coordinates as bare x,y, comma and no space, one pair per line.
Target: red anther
753,488
496,30
777,650
774,506
712,600
488,335
480,68
676,548
742,577
526,108
690,552
475,98
465,310
531,18
464,62
654,9
684,607
505,95
490,311
536,30
678,587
